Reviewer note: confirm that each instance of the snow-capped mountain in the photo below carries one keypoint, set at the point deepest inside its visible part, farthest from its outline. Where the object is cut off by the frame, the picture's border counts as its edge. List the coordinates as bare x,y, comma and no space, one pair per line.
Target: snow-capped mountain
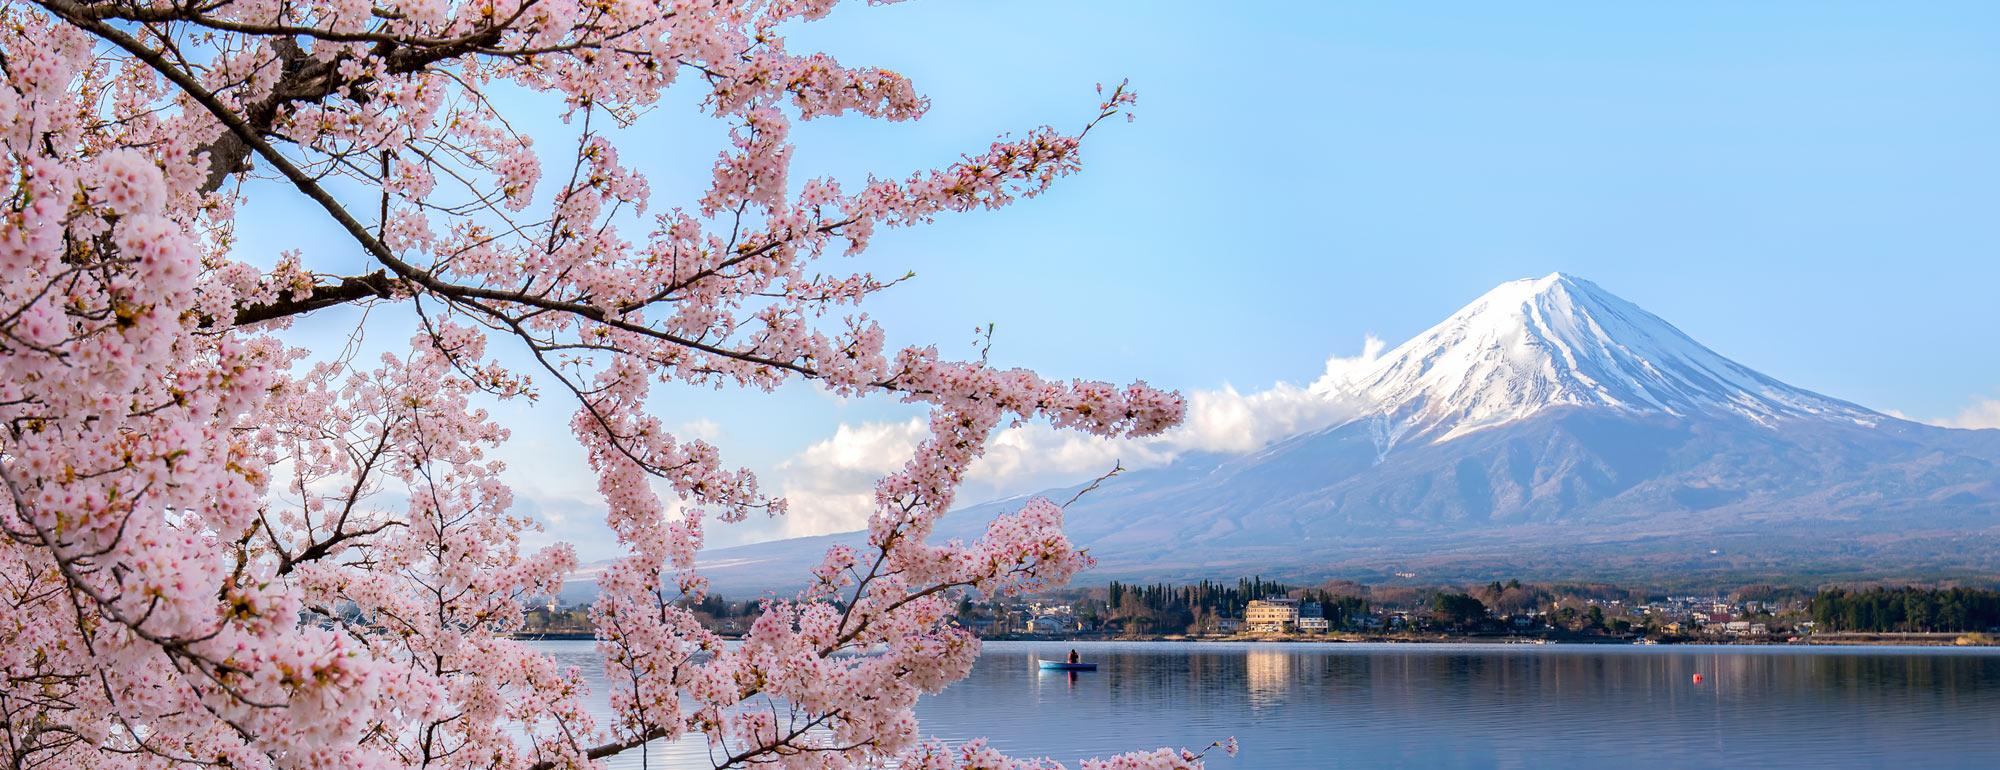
1536,344
1552,429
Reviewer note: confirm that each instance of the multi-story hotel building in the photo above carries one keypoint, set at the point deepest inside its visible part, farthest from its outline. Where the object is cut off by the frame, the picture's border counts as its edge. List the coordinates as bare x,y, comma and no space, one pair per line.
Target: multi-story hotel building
1270,616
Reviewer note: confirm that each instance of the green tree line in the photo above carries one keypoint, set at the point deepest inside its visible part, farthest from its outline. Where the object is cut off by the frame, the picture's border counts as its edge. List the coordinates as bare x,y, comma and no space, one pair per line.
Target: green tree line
1161,607
1906,609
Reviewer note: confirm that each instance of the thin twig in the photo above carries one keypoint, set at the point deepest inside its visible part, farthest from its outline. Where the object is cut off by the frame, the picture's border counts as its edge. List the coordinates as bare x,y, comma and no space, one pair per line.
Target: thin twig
1117,467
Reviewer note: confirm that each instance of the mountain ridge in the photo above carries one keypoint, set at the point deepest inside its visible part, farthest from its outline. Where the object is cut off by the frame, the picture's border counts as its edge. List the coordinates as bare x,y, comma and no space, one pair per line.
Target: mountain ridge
1551,428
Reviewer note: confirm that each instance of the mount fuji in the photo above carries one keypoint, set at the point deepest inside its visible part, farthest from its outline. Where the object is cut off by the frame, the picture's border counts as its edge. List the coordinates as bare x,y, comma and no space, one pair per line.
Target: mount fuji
1549,429
1533,345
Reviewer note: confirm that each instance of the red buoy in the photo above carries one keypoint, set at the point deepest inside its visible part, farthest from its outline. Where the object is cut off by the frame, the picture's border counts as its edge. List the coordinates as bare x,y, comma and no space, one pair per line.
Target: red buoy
1697,679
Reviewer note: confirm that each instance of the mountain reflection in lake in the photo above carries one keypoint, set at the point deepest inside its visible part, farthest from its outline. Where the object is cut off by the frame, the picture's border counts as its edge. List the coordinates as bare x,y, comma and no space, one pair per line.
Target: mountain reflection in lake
1470,706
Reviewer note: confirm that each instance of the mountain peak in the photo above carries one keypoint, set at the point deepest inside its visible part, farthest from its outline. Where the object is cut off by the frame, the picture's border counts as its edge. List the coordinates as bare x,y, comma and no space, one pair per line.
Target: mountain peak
1514,296
1560,340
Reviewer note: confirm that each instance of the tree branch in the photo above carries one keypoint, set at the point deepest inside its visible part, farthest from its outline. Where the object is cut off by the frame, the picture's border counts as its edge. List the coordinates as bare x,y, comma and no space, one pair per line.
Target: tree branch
350,288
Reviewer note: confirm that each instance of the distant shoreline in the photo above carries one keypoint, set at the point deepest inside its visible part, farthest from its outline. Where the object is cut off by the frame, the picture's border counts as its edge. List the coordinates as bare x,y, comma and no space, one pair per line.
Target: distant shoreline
1815,640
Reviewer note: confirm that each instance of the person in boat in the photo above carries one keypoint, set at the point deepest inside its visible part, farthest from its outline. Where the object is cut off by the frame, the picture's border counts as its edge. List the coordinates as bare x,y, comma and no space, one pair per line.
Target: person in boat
1073,659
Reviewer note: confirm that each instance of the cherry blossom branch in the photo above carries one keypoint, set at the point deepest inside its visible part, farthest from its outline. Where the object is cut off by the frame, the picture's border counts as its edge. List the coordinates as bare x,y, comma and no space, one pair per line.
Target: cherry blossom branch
149,405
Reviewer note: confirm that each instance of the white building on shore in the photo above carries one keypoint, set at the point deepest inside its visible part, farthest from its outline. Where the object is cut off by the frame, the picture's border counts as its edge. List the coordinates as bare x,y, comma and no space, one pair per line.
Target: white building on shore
1272,616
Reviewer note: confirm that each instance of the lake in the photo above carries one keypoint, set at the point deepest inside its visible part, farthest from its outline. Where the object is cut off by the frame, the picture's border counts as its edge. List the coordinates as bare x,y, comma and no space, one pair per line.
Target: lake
1470,706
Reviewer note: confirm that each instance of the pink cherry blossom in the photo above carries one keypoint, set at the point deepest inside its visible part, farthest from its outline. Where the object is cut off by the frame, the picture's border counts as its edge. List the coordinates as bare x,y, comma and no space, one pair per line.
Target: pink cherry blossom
226,550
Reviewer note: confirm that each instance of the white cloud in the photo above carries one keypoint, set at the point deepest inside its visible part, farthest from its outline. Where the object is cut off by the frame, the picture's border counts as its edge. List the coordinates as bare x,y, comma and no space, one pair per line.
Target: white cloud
1983,413
1034,457
830,484
1227,421
701,428
1340,371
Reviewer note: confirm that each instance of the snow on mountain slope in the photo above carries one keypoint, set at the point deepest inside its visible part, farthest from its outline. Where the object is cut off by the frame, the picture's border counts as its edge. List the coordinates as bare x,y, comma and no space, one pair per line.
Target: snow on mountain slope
1549,428
1538,343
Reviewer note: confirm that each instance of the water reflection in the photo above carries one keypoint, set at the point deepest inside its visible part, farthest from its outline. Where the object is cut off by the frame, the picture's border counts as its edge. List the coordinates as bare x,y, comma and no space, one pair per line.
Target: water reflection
1268,671
1045,677
1439,706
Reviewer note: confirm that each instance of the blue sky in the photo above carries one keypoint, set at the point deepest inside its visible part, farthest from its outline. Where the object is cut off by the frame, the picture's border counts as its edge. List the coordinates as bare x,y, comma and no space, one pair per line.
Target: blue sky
1811,188
1808,187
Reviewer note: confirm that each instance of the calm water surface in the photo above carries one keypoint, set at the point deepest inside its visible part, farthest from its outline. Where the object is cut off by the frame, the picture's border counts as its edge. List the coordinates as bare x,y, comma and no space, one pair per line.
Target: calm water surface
1470,706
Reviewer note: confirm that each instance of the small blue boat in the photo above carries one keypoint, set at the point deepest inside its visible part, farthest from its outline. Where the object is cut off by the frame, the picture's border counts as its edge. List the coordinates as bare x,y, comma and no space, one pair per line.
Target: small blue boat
1057,665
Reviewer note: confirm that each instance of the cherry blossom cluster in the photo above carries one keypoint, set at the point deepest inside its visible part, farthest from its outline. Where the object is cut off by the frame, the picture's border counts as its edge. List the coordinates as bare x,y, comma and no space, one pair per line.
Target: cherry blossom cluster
225,550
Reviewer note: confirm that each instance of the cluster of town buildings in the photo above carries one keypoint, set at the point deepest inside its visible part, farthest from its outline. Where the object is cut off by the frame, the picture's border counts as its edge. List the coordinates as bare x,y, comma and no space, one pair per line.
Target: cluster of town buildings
1687,614
1680,616
1263,616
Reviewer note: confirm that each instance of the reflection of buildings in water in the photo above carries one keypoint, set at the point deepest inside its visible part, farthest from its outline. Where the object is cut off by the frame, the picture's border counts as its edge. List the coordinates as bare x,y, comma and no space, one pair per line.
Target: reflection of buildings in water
1267,674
